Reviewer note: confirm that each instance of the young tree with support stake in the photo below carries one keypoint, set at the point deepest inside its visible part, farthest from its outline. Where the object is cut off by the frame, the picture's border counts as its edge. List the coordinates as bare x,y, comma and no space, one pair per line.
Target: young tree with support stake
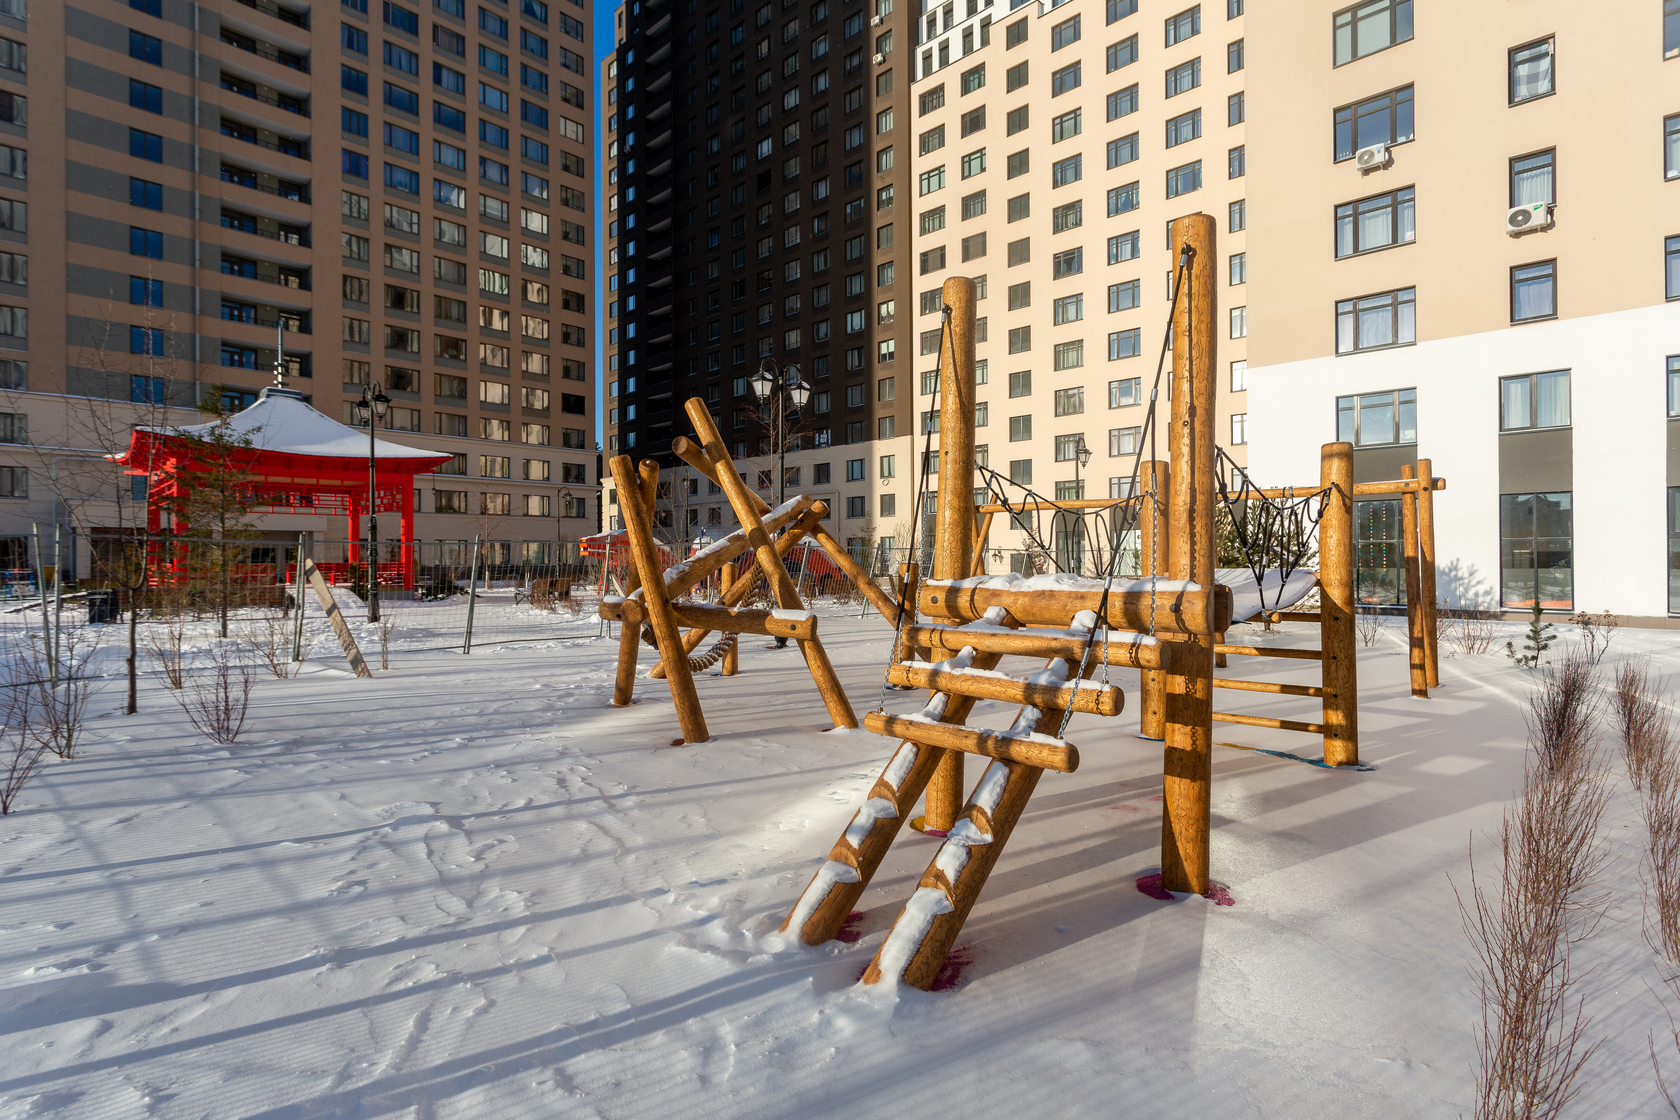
219,496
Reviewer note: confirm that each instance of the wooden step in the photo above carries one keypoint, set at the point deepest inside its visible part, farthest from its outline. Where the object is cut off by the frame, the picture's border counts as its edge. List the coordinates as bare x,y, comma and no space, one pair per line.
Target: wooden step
1272,651
1092,698
1267,721
1057,755
730,620
1269,686
1138,651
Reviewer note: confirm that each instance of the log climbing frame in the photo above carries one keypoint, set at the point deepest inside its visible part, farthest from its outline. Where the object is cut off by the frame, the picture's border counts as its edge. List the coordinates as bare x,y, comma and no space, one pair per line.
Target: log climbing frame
654,594
1166,624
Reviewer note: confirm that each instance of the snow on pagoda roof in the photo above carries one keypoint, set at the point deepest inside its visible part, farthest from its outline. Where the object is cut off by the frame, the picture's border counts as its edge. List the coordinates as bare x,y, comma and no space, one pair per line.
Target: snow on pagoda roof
281,422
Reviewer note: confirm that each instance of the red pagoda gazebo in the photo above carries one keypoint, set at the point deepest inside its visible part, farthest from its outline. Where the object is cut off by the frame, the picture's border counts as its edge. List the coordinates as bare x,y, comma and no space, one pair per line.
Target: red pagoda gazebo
301,462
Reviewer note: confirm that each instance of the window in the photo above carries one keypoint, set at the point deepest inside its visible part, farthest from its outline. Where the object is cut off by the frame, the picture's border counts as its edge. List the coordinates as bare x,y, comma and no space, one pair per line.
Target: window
1671,147
1235,110
1671,267
145,145
1184,128
1065,171
1120,9
1020,384
932,260
146,243
1123,247
1370,27
1017,164
973,205
1233,56
1124,297
1064,80
1239,215
1015,77
973,248
1020,340
1124,441
973,163
1536,551
1184,78
142,290
1375,321
1068,309
1377,419
1070,402
1534,179
932,180
1125,393
1020,295
1531,71
1379,222
144,193
1020,472
1015,34
974,121
146,97
1123,102
1064,218
1237,160
1125,344
1020,428
1020,252
1184,25
1069,262
1064,34
1239,427
1183,180
1534,291
147,48
1123,53
931,100
1385,119
932,140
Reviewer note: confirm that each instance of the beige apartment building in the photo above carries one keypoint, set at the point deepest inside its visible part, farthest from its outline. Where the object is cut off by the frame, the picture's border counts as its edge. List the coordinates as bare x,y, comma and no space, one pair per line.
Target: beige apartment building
1466,227
181,215
1054,144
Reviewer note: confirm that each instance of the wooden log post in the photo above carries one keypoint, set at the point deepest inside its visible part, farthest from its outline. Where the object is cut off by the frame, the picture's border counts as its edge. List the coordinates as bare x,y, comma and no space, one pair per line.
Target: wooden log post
1426,571
1187,770
953,553
980,535
630,637
1414,586
1336,607
638,526
731,659
770,561
1154,477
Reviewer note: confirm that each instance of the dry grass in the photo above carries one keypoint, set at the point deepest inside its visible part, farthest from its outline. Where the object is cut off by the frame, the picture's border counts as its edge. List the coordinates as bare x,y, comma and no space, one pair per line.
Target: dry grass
387,629
1533,1040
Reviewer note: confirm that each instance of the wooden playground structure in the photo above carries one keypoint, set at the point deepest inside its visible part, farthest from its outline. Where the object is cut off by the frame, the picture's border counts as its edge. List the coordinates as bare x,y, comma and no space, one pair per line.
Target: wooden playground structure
1169,623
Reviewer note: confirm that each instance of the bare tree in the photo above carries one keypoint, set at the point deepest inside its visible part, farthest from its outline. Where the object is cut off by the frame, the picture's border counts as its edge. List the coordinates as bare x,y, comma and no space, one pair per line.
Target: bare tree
168,644
61,698
270,638
21,750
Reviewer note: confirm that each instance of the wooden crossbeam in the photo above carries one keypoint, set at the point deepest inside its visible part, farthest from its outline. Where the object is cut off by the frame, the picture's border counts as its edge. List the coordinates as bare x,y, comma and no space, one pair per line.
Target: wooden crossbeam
624,682
685,575
1059,756
1136,651
1171,611
1096,699
734,620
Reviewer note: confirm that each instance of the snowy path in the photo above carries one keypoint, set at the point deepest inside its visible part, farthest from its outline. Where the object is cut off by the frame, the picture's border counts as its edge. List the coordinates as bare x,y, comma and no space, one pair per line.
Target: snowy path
468,888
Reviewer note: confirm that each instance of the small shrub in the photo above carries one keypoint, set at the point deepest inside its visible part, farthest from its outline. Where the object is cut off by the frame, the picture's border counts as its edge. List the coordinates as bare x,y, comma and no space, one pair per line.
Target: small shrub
217,698
1536,642
1596,632
167,642
270,638
1368,624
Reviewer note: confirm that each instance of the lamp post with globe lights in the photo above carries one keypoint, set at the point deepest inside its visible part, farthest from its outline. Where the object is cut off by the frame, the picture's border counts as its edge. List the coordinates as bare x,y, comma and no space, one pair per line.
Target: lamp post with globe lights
369,411
778,387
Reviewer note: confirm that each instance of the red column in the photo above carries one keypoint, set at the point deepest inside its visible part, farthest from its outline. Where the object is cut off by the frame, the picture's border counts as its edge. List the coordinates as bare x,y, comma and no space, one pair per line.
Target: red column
354,536
407,551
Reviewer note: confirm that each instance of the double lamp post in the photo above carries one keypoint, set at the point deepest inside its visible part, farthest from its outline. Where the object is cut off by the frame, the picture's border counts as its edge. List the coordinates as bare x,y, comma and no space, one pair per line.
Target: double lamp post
369,411
777,387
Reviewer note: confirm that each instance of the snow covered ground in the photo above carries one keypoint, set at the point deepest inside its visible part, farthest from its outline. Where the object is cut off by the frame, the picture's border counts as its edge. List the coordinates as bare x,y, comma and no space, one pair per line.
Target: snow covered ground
469,888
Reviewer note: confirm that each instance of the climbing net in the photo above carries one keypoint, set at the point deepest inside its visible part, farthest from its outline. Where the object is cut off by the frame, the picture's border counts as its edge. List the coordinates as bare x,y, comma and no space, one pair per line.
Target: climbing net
1276,532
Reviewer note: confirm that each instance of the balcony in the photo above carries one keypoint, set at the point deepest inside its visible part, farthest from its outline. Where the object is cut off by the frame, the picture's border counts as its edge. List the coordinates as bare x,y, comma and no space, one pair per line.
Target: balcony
265,138
289,59
266,272
268,7
296,322
267,184
269,228
268,95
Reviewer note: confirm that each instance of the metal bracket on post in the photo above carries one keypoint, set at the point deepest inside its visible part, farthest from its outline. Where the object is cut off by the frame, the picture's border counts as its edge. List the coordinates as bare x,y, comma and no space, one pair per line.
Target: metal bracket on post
472,595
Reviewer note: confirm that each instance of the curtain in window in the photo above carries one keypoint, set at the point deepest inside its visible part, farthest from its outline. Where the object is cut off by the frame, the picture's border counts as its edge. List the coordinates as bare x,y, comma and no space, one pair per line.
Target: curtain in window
1553,402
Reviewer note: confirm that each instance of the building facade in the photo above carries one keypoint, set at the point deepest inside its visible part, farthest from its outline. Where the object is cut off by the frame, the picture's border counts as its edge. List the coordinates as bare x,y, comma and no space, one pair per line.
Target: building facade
213,222
1497,298
755,178
1054,145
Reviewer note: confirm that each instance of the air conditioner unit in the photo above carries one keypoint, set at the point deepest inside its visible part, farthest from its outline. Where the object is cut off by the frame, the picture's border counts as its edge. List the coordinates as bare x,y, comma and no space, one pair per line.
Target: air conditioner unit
876,21
880,58
1372,158
1526,219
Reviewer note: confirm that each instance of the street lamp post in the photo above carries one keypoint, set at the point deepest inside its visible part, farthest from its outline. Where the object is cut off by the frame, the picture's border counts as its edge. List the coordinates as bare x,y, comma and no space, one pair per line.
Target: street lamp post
782,385
1081,458
370,410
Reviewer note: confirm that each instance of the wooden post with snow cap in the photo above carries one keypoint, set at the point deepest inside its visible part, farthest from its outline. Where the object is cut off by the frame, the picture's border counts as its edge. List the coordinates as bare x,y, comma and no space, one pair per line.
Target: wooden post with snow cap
638,526
1414,586
731,659
1187,768
1426,570
953,553
1336,607
1154,480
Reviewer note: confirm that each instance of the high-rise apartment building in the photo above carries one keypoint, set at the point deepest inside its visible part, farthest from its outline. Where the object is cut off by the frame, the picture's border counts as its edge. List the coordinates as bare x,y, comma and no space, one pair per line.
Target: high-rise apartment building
178,206
1465,254
756,175
1053,145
